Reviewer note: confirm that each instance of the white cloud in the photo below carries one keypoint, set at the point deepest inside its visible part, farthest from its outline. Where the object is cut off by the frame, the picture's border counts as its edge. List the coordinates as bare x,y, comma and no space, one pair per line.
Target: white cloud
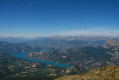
26,35
103,31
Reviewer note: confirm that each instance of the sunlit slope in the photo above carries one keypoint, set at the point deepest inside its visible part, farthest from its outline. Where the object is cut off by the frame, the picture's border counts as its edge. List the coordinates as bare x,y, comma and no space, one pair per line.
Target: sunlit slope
105,73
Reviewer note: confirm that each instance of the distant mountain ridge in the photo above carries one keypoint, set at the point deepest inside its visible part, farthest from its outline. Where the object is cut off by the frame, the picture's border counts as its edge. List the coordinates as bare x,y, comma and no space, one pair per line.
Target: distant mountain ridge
68,38
16,47
61,42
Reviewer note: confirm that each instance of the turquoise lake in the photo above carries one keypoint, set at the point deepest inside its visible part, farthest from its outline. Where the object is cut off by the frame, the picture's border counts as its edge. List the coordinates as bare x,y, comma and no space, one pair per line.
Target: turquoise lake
23,56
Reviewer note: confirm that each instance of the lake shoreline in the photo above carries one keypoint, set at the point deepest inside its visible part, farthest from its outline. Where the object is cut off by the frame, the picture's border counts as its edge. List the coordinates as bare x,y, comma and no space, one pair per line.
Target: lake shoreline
22,55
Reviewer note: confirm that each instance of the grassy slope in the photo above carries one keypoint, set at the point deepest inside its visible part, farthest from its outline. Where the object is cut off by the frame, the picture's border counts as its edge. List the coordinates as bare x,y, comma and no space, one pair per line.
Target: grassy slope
105,73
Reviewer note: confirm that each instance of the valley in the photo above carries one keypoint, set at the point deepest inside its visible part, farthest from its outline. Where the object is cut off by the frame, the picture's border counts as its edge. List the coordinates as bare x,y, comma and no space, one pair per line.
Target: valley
21,61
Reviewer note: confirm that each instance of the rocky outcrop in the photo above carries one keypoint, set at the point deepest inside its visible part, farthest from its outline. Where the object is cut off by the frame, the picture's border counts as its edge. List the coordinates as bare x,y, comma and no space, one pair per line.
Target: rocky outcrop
113,50
111,44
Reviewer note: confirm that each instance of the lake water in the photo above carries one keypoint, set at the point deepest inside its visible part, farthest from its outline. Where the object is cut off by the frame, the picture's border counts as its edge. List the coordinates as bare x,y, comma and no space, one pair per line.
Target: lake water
23,56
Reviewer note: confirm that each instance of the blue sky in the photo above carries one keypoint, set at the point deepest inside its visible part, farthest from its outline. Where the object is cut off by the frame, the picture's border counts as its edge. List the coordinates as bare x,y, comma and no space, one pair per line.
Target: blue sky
31,18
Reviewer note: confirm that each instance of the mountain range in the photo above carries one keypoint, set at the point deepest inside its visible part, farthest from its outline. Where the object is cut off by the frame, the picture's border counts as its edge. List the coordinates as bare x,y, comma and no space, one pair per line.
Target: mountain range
89,57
